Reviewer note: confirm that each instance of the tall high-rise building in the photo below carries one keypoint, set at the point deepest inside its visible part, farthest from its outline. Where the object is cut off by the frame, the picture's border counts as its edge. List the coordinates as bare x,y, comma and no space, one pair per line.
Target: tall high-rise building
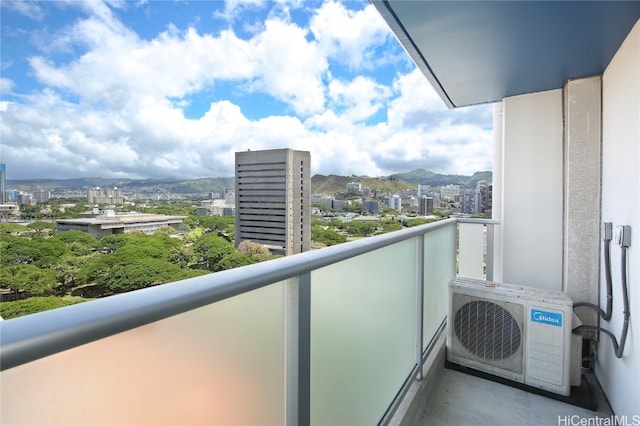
273,199
395,202
104,196
3,185
41,195
426,206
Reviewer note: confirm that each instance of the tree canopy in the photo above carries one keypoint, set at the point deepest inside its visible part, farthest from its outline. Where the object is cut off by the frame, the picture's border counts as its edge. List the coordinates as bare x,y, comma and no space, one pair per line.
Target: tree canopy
27,278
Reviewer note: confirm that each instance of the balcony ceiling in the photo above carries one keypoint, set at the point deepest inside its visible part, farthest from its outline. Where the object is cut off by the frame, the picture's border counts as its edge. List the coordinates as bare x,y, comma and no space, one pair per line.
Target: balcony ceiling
476,52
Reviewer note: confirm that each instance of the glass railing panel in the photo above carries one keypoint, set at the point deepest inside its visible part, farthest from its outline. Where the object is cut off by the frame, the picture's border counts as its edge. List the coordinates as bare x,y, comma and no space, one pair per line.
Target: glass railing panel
439,269
219,364
362,334
472,249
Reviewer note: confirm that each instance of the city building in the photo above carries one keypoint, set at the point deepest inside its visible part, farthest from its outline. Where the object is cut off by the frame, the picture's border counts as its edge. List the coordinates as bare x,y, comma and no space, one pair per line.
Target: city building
104,196
484,197
273,199
41,195
370,207
125,223
216,207
8,210
340,205
450,193
354,187
323,200
423,190
468,201
26,199
426,206
395,202
229,197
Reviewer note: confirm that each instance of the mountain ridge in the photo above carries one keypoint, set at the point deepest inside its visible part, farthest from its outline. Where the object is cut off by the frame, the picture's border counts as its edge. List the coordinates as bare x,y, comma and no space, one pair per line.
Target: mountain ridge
319,183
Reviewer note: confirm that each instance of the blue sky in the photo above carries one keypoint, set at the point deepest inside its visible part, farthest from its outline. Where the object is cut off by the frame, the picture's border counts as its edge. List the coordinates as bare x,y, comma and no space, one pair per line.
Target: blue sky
172,89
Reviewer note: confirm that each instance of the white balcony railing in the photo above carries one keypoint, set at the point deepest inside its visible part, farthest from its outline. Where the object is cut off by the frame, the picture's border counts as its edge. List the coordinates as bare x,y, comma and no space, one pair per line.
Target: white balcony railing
331,336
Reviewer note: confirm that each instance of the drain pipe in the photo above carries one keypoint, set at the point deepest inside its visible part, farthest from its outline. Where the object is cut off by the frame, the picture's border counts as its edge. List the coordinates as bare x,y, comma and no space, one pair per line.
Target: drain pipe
607,231
624,239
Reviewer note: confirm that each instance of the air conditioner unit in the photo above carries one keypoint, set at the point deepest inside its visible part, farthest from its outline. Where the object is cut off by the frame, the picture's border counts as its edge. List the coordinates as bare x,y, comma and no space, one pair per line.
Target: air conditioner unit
518,333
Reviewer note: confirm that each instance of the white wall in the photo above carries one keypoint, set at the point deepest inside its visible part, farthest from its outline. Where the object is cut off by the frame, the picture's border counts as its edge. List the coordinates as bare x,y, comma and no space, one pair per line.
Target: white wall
531,214
620,378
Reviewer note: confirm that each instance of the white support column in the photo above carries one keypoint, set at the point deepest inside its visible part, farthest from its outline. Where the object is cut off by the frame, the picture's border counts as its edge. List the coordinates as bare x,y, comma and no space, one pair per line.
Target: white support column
582,183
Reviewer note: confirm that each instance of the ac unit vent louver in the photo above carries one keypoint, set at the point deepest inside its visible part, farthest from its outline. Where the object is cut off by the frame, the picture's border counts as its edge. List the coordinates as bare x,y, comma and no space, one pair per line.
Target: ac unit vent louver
487,330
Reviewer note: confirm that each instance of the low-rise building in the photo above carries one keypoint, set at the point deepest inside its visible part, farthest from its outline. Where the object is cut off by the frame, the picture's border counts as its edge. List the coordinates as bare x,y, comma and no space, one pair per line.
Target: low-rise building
109,224
217,207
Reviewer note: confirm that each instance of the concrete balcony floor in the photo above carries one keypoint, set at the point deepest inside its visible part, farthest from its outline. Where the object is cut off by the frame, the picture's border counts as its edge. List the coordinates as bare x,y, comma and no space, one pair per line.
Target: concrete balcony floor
462,399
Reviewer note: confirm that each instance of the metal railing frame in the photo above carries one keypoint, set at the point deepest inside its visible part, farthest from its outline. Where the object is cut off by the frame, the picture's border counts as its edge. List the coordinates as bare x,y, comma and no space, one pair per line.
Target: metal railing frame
31,337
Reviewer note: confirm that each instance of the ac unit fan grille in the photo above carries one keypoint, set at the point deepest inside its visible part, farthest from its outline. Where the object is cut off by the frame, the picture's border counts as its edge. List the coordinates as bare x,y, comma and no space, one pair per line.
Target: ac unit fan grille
487,330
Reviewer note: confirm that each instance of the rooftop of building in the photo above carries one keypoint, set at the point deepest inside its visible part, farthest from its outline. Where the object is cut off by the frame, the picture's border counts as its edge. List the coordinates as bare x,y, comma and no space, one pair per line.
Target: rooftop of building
122,218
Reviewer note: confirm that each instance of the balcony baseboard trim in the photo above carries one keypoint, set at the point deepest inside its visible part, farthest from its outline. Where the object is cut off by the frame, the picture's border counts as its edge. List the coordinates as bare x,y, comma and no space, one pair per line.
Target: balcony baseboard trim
415,400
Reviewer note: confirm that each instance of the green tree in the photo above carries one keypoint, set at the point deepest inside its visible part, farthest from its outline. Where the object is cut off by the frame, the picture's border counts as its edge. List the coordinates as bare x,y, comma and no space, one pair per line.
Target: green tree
13,228
234,260
32,305
30,212
42,252
144,272
416,221
184,256
328,237
210,249
166,230
39,226
111,243
256,251
359,228
16,250
29,278
193,235
67,270
49,250
216,223
79,243
389,225
133,266
131,251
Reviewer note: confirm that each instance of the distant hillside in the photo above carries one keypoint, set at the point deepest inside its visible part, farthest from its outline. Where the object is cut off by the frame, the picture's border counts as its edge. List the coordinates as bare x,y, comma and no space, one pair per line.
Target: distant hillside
424,177
29,185
176,186
319,183
333,183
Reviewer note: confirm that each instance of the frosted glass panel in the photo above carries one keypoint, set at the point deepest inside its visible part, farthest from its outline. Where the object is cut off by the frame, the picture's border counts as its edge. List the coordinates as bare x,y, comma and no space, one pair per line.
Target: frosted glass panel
220,364
362,334
439,269
471,250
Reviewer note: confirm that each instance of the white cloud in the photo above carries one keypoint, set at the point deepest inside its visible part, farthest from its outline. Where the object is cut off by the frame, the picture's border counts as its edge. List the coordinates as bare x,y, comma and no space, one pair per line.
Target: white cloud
360,98
30,9
232,8
417,101
291,68
6,85
129,119
349,36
